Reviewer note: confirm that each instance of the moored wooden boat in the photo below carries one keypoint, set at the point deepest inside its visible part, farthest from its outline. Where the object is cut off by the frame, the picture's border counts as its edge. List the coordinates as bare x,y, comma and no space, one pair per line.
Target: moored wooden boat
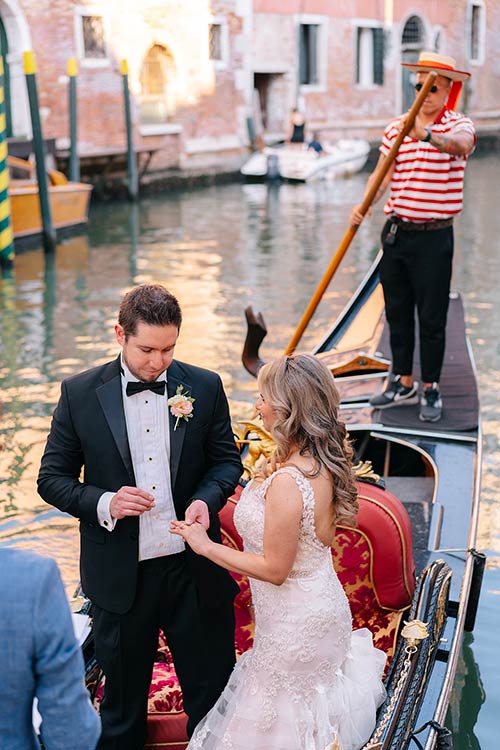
69,201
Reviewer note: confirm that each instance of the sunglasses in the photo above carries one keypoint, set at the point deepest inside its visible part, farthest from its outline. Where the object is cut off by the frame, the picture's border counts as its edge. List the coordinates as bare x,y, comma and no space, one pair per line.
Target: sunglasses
433,89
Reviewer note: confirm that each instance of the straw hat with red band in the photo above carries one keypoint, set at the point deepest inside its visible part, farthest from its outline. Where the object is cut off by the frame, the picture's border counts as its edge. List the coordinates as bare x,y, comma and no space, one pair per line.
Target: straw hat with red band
443,66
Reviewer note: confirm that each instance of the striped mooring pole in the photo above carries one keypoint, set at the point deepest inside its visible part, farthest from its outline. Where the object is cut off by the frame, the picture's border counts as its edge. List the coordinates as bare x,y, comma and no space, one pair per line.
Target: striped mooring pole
133,184
48,232
6,239
74,162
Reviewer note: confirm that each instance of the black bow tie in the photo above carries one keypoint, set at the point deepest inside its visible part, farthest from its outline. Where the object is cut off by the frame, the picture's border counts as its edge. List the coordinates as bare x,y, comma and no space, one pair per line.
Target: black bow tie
157,386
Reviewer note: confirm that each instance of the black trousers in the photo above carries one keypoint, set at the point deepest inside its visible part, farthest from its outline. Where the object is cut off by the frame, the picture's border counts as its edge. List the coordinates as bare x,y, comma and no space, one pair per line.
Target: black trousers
201,642
415,272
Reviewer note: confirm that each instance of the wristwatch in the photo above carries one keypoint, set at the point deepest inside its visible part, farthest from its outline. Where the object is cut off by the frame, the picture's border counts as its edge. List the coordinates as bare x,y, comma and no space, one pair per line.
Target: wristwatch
428,135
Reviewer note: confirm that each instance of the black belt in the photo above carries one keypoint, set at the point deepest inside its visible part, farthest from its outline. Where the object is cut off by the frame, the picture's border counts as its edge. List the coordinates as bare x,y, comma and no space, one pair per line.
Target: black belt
421,226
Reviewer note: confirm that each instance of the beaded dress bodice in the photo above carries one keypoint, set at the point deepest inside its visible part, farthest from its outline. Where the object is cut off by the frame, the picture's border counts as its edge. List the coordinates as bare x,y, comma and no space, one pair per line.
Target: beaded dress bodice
249,520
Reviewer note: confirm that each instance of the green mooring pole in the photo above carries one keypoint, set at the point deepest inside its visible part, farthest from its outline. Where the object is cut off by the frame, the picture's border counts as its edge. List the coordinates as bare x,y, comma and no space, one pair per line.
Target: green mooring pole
133,184
74,161
49,235
6,241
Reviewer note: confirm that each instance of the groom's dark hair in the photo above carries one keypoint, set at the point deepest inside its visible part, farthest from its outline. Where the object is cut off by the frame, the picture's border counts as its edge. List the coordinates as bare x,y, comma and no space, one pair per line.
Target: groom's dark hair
150,303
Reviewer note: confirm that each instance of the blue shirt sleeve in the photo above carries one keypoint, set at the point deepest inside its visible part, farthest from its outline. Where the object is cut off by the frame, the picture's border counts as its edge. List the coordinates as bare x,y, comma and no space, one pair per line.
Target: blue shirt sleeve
68,717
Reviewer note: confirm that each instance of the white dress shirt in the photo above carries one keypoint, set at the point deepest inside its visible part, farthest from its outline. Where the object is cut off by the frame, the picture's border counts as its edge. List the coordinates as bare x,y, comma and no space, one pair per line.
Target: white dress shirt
147,419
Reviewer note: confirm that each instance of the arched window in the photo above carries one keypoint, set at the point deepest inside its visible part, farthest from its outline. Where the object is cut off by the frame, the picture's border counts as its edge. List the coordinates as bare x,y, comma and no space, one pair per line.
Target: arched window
157,78
413,33
412,43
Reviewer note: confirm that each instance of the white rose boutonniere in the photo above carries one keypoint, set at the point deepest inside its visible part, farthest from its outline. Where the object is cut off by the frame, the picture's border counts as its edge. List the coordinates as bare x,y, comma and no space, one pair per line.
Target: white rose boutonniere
181,405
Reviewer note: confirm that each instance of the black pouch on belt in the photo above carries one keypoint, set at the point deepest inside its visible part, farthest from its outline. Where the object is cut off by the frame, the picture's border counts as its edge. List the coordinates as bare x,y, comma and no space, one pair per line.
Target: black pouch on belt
390,237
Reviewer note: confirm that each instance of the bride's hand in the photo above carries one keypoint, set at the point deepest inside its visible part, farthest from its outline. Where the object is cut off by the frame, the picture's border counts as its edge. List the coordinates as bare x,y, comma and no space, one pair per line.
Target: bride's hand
193,534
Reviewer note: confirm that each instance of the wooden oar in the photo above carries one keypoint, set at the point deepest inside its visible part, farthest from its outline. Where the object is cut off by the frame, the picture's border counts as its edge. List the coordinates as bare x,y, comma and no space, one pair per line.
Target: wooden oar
367,201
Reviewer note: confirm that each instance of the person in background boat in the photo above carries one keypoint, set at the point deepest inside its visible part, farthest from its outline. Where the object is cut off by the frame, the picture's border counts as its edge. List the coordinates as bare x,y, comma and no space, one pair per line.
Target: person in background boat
296,127
426,193
315,145
155,440
40,658
309,681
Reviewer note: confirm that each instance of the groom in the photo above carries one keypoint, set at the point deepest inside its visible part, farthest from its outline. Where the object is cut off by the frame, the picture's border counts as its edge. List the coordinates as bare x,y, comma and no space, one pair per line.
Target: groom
143,466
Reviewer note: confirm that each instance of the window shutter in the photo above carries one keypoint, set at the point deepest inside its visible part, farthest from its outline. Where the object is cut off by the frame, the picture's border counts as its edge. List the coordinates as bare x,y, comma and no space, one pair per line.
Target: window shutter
358,55
302,54
313,54
308,53
378,56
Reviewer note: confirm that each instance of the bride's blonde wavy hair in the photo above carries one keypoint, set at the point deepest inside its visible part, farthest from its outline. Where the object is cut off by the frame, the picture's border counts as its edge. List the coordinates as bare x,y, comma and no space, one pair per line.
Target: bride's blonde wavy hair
301,391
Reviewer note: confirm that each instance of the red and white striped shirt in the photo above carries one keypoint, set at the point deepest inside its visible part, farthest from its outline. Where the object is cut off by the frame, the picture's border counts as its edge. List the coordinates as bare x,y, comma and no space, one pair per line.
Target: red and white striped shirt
426,184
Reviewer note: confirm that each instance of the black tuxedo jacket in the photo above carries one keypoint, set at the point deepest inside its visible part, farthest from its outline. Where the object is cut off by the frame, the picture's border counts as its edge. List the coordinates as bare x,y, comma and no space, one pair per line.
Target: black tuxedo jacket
88,430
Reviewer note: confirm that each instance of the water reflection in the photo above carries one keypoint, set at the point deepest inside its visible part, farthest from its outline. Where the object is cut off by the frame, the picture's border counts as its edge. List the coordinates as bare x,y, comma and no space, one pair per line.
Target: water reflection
466,699
219,250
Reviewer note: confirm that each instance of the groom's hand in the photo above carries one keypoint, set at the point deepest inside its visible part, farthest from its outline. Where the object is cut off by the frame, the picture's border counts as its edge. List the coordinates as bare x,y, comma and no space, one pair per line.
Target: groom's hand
197,512
130,501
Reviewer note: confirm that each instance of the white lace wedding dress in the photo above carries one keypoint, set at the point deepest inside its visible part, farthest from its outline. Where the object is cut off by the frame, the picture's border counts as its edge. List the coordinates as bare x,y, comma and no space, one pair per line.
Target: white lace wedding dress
309,682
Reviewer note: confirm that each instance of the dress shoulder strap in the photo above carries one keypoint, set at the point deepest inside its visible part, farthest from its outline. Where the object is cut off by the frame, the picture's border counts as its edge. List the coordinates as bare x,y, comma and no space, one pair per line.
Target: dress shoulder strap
308,501
303,484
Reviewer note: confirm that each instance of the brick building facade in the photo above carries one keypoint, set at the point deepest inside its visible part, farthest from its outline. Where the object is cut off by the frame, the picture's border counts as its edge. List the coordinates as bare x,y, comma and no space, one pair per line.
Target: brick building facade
198,69
187,74
341,62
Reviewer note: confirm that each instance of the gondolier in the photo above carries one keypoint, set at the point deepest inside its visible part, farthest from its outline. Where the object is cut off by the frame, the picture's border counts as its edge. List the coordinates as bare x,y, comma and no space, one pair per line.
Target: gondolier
426,193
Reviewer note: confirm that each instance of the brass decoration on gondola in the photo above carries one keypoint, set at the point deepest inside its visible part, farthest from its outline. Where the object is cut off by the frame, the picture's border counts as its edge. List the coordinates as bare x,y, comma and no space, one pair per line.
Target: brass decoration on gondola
413,632
364,470
441,613
260,443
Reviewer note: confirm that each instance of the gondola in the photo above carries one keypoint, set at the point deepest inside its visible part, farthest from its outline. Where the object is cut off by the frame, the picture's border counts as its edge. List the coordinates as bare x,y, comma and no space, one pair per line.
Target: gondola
434,472
410,569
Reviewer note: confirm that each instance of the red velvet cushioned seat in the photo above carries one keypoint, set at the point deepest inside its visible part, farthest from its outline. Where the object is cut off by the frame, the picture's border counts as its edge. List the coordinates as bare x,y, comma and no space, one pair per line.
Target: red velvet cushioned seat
375,565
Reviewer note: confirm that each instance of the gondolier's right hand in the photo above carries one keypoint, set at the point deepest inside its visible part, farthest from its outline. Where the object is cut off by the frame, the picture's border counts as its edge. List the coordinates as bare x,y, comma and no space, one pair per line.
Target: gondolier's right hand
356,216
130,501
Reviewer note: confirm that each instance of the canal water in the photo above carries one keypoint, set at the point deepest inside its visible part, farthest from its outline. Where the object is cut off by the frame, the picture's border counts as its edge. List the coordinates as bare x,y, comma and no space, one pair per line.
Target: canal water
220,249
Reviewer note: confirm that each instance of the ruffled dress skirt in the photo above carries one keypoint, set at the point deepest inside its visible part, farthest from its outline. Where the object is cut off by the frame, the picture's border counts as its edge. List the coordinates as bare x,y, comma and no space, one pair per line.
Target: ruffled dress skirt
309,682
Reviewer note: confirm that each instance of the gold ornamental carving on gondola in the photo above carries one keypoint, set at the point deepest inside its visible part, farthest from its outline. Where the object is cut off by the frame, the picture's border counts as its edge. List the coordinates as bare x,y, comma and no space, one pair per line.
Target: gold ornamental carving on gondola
255,443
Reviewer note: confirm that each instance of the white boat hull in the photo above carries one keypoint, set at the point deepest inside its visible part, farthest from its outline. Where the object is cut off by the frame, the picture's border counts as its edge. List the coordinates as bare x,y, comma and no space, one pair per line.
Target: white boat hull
301,165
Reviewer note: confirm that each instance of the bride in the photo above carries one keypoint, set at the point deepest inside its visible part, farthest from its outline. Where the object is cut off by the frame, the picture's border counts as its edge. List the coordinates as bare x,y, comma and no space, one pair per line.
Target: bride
309,682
